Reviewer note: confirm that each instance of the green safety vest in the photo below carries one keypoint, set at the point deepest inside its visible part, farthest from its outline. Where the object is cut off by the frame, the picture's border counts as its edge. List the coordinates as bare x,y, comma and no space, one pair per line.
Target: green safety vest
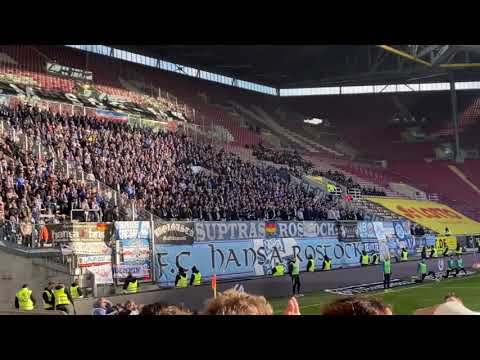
24,299
61,297
448,233
74,292
404,256
312,267
459,251
451,264
183,282
460,263
435,254
328,264
197,279
49,297
279,270
295,269
423,268
387,267
365,260
132,287
331,188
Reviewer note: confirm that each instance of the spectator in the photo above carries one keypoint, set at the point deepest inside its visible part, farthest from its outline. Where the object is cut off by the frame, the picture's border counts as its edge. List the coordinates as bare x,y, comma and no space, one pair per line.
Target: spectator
232,302
357,306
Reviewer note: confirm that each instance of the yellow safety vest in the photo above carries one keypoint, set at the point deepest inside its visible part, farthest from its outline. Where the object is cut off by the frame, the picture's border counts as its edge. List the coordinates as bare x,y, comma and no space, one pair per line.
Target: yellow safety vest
24,299
183,282
312,268
74,292
197,279
404,256
459,251
280,270
49,296
435,254
132,287
328,265
295,269
365,260
61,297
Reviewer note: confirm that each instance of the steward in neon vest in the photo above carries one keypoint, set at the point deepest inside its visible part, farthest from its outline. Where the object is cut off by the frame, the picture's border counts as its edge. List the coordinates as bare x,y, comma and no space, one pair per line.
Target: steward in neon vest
196,278
404,255
376,259
447,232
311,264
75,291
278,270
387,272
63,299
459,251
181,280
364,259
327,263
47,296
24,299
433,252
130,286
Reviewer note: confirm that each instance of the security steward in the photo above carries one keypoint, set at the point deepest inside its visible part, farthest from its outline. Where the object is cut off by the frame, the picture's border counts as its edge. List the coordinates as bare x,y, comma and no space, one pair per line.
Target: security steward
24,299
364,259
181,280
196,278
404,255
376,259
451,267
311,264
294,270
459,250
47,296
278,270
423,271
75,290
130,286
433,252
327,263
387,272
446,251
447,232
63,299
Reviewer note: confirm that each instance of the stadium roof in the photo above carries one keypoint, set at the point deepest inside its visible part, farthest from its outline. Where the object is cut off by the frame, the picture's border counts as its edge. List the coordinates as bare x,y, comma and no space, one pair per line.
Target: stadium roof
300,66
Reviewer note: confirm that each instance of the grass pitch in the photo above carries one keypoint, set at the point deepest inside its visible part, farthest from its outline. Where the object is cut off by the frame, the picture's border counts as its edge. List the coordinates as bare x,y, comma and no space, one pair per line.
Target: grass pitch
404,300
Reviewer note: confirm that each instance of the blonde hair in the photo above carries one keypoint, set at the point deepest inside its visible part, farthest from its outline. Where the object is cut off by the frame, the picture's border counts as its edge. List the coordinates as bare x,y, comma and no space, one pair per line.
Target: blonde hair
233,302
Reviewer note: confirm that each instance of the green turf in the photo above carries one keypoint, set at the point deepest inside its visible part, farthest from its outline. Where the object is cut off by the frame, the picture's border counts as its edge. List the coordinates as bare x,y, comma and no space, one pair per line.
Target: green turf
404,300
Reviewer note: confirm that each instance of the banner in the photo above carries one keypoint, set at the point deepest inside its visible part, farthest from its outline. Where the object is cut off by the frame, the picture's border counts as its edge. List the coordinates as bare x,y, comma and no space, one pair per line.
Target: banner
111,116
348,231
103,273
254,257
366,230
134,244
442,242
173,232
231,230
83,232
94,260
301,229
89,248
430,214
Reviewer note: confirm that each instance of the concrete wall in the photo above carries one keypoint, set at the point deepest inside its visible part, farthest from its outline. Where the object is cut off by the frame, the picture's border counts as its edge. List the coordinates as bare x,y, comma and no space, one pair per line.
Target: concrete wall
16,270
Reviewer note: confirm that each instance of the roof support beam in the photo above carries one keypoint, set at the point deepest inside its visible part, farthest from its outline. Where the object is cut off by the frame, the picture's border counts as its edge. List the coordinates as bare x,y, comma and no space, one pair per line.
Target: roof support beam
404,54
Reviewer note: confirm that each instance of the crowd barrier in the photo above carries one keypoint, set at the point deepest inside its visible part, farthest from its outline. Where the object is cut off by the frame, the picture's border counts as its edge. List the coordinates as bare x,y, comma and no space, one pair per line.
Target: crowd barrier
153,251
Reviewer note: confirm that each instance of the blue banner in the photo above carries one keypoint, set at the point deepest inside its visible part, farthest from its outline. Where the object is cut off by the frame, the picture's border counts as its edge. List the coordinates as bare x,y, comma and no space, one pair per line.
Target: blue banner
248,258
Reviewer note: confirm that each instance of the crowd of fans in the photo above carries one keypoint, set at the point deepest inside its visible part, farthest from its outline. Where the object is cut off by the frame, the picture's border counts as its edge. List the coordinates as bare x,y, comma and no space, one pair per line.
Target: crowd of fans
233,302
167,173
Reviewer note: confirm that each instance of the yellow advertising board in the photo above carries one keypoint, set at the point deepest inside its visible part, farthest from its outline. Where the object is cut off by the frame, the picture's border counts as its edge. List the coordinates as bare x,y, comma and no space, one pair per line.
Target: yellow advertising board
430,214
441,242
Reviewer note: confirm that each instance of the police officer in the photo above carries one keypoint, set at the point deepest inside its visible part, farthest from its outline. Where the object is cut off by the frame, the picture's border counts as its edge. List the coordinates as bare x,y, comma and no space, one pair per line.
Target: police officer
387,272
422,270
75,290
62,298
364,259
278,270
327,263
460,265
404,255
311,264
24,299
451,267
196,278
294,270
47,296
181,280
130,286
